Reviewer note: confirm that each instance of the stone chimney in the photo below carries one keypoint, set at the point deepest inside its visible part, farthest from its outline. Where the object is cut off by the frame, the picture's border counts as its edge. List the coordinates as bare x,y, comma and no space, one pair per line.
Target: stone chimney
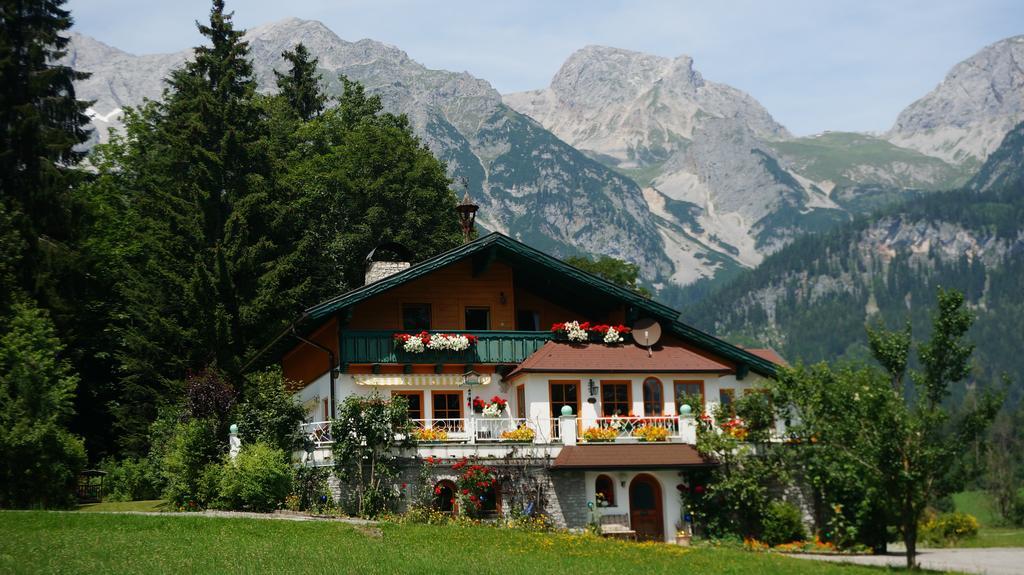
377,271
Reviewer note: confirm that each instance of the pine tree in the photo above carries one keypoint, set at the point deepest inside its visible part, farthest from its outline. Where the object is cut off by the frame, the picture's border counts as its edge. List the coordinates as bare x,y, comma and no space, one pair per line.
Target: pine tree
300,86
202,199
41,122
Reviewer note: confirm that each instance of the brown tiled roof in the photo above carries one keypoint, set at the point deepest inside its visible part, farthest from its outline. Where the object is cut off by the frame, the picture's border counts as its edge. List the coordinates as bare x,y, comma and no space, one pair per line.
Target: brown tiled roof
669,356
629,455
767,353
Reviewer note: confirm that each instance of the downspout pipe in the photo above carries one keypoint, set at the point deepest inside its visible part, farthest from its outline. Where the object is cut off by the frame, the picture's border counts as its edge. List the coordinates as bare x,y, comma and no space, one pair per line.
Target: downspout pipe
330,368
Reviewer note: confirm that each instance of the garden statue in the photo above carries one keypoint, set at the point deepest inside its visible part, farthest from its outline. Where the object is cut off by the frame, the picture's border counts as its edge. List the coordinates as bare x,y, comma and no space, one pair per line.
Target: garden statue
234,442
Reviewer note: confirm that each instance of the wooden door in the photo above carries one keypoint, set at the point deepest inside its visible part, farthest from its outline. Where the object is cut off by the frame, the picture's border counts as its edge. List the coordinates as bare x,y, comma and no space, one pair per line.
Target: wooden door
645,510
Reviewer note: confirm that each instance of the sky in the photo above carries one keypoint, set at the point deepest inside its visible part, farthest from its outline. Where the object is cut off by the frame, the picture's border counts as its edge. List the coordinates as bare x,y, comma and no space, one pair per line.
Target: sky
815,65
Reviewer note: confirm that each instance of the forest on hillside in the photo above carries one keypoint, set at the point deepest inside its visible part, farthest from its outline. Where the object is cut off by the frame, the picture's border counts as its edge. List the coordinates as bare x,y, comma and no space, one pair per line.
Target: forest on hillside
813,299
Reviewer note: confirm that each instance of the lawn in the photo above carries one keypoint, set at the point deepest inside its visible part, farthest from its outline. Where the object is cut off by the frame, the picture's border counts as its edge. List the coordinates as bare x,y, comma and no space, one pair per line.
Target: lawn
54,542
992,533
151,505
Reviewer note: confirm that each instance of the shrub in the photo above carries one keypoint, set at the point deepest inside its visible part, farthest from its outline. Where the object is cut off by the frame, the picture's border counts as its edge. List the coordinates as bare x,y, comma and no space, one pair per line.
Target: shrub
269,413
190,451
258,479
948,528
782,523
131,480
311,491
39,458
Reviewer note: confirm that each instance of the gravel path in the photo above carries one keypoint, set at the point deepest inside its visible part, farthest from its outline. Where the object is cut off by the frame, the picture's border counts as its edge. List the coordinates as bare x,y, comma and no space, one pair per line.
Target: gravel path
990,561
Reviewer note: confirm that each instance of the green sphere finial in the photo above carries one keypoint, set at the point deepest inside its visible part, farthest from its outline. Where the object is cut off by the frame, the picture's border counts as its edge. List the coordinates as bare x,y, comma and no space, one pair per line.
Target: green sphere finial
685,409
233,428
566,410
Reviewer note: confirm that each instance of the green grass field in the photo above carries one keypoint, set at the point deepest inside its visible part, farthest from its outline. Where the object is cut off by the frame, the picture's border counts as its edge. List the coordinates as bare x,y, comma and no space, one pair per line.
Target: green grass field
991,534
106,506
53,542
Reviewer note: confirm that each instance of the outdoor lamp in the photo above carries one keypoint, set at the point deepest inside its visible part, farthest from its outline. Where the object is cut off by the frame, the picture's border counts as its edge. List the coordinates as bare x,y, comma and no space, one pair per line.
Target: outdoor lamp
469,379
592,389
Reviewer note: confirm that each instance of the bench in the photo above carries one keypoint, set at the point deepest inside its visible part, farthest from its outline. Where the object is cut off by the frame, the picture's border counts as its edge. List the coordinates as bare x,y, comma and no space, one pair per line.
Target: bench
616,526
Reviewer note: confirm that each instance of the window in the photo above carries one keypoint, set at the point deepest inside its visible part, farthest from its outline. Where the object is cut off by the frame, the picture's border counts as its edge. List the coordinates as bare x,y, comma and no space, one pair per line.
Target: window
478,318
416,316
725,398
563,393
527,320
521,401
415,399
654,401
447,409
615,398
684,389
604,490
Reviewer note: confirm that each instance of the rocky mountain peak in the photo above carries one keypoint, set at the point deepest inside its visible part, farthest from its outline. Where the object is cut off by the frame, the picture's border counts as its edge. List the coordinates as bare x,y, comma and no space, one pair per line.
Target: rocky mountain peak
965,117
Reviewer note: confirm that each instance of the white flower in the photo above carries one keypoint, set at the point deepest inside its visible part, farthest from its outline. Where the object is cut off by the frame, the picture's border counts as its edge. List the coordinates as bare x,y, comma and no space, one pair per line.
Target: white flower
492,410
413,345
444,341
612,336
574,331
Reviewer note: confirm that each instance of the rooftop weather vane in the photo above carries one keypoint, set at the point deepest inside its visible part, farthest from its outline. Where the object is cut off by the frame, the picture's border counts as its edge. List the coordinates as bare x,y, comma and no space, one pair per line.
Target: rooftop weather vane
467,213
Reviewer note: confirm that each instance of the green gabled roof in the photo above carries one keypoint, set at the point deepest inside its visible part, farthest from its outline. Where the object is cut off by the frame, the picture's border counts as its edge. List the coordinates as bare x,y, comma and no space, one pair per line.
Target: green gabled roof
515,251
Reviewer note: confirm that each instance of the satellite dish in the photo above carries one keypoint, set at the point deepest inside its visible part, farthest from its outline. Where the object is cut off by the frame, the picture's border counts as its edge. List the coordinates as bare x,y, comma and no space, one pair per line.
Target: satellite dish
646,332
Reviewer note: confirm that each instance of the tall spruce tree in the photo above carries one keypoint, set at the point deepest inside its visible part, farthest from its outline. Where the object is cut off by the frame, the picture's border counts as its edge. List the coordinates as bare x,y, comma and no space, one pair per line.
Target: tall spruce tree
300,85
199,181
41,122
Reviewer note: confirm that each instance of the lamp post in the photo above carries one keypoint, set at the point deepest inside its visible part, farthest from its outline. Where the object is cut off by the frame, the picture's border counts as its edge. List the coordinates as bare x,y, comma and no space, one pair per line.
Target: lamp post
467,216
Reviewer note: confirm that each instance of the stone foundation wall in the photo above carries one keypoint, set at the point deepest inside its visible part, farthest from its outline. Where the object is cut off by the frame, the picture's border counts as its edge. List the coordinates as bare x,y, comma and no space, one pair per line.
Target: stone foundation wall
561,495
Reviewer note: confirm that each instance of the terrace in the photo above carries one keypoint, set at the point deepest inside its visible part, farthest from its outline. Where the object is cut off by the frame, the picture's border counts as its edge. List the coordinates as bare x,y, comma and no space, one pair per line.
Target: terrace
500,436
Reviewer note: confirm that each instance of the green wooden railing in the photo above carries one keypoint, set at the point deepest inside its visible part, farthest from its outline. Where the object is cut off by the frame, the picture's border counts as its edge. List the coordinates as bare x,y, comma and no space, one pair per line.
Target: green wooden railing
499,347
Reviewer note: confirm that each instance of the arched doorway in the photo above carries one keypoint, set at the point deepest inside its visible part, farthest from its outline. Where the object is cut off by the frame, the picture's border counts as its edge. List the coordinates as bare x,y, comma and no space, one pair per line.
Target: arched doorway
444,496
645,509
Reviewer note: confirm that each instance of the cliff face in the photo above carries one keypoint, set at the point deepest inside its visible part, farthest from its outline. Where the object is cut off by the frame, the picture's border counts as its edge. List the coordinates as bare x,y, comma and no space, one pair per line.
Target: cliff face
965,117
530,184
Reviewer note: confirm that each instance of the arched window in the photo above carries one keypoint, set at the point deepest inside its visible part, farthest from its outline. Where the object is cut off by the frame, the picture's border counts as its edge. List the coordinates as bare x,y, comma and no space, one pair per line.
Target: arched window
654,397
604,489
444,496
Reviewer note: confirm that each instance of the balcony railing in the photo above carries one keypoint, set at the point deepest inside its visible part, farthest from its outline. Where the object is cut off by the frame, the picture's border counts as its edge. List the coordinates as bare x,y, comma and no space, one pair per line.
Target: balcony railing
464,430
632,428
497,347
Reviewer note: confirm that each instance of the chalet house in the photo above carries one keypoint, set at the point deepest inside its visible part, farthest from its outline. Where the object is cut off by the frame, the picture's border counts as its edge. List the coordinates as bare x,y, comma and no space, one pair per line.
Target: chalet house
594,417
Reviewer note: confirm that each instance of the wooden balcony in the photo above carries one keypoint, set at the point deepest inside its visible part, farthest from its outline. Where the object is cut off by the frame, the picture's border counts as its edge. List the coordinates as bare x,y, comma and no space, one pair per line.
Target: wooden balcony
492,347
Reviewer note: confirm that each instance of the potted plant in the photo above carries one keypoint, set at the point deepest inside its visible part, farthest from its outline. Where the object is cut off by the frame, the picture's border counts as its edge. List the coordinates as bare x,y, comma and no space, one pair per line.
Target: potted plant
478,405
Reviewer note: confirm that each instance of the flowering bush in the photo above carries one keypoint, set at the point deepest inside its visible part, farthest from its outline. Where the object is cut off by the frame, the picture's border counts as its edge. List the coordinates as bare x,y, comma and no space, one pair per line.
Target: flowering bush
418,343
582,332
521,433
651,433
735,427
474,486
600,434
430,434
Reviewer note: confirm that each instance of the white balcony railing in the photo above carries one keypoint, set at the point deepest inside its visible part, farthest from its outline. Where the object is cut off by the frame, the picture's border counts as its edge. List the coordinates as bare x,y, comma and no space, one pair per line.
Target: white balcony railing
665,428
318,433
461,430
